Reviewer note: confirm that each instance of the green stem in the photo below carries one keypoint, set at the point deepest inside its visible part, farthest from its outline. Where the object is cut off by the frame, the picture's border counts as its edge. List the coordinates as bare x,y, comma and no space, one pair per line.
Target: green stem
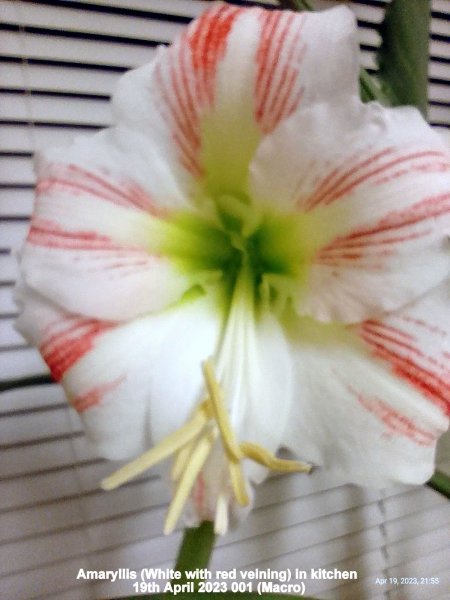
440,482
297,5
370,89
194,553
196,548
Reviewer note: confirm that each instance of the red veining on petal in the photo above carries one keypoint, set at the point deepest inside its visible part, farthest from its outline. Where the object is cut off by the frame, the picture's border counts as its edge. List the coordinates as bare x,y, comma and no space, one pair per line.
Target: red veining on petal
428,374
199,496
66,341
98,252
50,235
395,422
186,96
389,334
343,181
421,323
339,175
179,108
279,57
63,178
430,167
391,232
186,80
207,41
95,396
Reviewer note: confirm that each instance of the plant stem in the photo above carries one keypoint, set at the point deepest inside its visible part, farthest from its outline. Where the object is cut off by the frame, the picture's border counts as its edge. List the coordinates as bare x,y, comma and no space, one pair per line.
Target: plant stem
196,548
440,482
370,89
194,553
295,4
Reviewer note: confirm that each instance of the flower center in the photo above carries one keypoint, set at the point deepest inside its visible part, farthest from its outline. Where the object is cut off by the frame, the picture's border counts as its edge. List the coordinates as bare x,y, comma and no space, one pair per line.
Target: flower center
257,260
232,235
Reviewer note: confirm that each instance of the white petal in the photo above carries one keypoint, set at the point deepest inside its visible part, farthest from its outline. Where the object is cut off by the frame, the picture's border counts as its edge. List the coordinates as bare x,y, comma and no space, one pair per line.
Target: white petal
378,182
254,373
133,383
117,165
415,344
178,385
257,379
254,370
231,77
353,417
91,246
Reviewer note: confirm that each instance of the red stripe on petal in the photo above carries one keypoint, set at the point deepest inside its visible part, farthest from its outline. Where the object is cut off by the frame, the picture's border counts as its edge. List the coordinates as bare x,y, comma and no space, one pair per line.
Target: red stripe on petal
186,80
98,252
279,57
396,423
269,27
426,167
374,330
426,373
78,181
395,333
338,176
95,396
199,496
424,210
185,132
385,170
423,324
207,40
67,341
50,235
384,238
343,181
341,247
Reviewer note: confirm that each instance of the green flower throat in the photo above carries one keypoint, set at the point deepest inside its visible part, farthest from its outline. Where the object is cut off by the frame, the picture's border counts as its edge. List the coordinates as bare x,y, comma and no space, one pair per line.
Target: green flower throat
231,238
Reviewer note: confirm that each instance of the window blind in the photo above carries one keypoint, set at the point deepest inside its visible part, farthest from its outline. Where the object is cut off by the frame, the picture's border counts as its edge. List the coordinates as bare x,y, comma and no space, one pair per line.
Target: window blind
60,61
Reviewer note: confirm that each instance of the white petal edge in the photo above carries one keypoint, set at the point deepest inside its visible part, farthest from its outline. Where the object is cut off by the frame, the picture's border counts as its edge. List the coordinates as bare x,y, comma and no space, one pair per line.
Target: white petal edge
156,362
384,219
93,243
353,418
233,75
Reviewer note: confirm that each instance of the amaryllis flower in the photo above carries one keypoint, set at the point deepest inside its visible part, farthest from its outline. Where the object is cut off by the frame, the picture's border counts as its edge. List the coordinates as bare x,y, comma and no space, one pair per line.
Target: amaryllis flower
249,259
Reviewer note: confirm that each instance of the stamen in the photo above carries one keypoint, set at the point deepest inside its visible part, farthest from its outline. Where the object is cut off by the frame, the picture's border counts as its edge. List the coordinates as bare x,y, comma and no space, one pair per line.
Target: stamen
221,518
217,404
192,444
196,462
182,455
165,448
264,457
230,443
238,483
181,460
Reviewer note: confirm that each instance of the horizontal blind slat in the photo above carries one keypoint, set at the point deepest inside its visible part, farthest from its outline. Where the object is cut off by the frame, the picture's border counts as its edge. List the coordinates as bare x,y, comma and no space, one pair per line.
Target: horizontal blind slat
68,19
90,52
